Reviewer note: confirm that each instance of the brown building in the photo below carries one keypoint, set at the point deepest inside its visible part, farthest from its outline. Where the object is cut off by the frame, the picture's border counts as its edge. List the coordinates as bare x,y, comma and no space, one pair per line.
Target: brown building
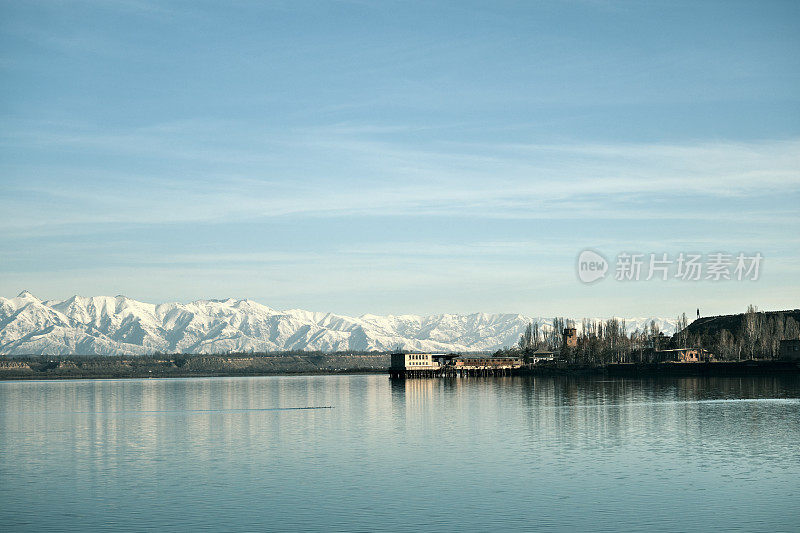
571,337
684,355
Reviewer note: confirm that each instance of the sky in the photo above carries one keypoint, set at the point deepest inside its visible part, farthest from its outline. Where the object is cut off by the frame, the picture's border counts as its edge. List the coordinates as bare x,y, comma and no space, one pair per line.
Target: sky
399,157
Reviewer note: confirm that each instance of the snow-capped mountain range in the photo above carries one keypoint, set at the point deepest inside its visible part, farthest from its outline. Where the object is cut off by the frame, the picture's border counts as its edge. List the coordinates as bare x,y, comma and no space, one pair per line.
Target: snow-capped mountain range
104,325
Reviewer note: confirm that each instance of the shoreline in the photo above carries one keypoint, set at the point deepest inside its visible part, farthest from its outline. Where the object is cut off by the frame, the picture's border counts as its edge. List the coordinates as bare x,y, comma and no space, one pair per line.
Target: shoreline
187,366
37,369
78,377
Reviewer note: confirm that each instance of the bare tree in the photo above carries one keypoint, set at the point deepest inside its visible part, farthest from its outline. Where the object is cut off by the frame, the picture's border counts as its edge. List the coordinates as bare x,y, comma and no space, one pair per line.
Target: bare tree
681,326
791,329
752,330
526,340
725,347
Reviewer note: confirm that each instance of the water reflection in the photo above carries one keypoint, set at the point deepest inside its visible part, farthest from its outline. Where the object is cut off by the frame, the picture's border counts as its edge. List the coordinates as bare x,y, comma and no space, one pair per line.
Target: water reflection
563,453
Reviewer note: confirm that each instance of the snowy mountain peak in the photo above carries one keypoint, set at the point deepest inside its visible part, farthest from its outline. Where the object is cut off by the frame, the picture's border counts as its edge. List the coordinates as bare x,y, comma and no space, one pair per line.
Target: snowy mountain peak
120,325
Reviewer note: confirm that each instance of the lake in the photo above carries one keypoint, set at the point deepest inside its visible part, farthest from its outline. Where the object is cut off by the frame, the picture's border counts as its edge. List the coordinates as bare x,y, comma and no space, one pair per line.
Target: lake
363,453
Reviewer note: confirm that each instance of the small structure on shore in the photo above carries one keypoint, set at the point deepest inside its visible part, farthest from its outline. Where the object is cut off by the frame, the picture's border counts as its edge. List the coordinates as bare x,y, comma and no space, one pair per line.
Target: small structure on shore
684,355
571,337
405,365
487,363
421,361
539,356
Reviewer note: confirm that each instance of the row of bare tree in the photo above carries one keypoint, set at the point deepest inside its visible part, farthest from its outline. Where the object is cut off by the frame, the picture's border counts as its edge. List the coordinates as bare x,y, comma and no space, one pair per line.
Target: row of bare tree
756,336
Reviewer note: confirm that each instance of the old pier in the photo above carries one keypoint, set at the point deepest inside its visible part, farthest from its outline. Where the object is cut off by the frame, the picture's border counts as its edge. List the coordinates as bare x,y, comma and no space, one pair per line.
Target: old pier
429,365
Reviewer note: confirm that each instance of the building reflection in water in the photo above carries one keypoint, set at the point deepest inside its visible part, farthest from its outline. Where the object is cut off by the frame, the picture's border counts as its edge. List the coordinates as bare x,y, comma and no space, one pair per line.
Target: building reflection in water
563,414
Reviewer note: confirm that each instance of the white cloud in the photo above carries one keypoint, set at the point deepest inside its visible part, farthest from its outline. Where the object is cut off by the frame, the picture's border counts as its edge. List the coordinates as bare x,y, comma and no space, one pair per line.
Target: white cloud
255,175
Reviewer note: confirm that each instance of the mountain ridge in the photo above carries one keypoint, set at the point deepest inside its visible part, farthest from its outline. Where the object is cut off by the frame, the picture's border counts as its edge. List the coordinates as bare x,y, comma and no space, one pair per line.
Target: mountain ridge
118,325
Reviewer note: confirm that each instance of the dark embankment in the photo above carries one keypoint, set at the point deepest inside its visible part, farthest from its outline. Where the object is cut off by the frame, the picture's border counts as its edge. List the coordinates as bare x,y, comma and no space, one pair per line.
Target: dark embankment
71,367
716,368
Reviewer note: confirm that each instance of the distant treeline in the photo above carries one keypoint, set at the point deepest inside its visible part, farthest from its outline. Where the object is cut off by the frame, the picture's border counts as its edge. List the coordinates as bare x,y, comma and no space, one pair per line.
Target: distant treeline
750,335
188,365
179,356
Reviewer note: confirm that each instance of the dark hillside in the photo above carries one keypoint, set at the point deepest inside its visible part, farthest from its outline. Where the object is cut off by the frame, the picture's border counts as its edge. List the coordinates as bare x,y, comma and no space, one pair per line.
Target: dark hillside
713,325
751,335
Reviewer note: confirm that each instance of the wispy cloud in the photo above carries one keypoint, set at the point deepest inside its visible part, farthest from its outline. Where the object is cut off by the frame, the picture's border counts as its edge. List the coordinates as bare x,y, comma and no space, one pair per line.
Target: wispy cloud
318,173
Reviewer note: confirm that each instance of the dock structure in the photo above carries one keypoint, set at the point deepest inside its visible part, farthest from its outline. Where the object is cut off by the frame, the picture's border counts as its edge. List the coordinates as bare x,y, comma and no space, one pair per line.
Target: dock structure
429,365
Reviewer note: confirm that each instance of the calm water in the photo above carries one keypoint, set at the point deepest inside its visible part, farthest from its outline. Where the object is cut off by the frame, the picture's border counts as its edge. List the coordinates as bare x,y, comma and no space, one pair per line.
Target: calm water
471,454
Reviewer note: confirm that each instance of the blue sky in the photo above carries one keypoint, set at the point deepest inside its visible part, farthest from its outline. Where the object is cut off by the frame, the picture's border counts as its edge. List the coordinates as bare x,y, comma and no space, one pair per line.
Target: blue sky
398,157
